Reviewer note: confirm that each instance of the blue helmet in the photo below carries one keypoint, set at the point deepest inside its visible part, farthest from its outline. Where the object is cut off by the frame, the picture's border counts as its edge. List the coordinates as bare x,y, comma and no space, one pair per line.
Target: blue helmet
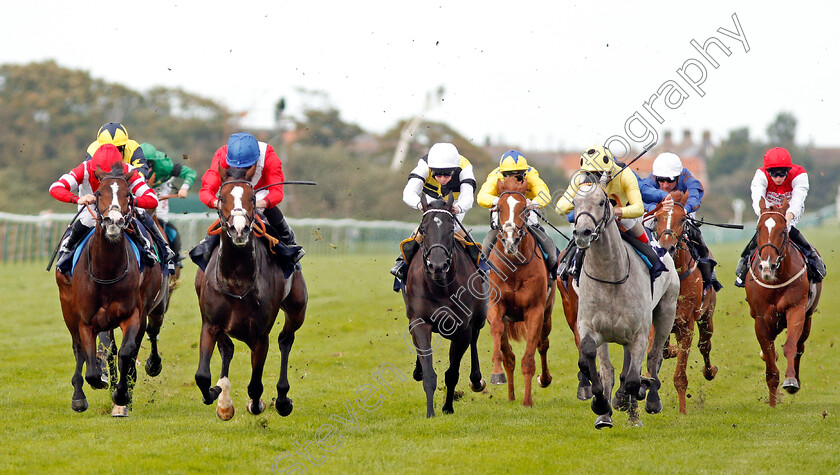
243,150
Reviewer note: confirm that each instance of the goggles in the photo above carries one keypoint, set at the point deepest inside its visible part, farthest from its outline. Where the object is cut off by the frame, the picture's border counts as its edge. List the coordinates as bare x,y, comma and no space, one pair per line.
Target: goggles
666,179
777,172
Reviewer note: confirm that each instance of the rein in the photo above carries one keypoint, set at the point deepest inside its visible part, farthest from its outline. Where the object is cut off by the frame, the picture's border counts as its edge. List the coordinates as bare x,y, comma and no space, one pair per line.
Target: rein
781,255
99,221
107,281
520,230
427,250
600,226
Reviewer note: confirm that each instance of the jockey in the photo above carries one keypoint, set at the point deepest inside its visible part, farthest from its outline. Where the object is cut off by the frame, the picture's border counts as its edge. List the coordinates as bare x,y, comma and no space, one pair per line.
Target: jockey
441,172
668,175
778,180
83,179
513,163
116,134
623,192
244,151
162,172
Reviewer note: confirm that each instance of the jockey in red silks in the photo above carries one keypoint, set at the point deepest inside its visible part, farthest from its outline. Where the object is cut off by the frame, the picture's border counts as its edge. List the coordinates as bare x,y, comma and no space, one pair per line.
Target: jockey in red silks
83,179
244,151
777,180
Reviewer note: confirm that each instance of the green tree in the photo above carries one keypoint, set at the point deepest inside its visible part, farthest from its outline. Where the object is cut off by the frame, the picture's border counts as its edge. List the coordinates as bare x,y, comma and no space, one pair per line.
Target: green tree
782,131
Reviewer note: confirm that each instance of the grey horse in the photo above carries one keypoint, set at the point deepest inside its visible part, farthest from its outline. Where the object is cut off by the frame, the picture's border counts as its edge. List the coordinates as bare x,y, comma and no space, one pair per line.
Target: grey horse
616,306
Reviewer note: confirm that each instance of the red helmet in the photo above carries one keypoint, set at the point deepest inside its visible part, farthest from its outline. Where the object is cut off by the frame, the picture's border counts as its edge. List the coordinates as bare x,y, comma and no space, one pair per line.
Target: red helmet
777,158
105,157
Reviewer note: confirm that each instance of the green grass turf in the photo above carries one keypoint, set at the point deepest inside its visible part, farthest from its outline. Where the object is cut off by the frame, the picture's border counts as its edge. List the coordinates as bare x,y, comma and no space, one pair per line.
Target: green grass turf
355,324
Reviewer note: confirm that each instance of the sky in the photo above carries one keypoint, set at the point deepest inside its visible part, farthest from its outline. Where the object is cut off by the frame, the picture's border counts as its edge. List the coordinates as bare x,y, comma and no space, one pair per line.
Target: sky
535,75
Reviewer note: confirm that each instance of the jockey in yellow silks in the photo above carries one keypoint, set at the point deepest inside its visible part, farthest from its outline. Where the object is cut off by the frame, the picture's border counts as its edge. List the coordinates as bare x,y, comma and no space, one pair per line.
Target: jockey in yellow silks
623,192
513,163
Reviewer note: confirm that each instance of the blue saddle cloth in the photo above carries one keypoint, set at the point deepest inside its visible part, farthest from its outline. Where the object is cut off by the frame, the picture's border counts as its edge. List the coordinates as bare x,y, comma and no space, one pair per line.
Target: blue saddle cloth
78,252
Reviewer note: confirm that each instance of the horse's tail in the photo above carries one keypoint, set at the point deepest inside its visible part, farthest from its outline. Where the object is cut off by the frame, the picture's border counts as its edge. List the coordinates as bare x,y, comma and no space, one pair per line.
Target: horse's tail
516,331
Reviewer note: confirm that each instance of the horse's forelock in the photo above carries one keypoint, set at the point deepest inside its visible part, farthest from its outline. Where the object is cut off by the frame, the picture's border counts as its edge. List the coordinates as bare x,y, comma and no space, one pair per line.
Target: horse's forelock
233,173
511,183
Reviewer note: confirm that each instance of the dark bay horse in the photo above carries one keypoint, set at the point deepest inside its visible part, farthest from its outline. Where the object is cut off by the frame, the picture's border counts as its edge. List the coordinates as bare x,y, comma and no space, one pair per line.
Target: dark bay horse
693,306
444,294
780,297
617,305
106,291
240,294
526,298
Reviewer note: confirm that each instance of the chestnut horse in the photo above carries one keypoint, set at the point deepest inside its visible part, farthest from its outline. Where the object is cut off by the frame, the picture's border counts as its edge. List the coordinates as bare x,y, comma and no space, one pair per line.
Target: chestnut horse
106,291
444,294
569,300
693,305
780,297
526,298
240,294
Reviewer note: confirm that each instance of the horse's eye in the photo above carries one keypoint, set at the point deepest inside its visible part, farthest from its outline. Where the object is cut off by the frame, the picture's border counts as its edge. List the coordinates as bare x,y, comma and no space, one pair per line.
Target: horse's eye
601,203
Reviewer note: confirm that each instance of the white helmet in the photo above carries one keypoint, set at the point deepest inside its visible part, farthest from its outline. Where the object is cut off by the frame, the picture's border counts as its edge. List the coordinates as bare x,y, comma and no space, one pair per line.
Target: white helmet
667,165
443,155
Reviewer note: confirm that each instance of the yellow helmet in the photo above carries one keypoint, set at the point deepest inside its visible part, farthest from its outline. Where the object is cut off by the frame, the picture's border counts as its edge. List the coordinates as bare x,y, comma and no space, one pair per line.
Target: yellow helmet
512,161
112,133
597,158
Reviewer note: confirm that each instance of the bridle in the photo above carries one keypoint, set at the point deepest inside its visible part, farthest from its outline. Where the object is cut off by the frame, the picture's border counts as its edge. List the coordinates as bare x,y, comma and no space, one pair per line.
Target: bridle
427,250
680,238
122,225
600,224
520,230
780,251
224,221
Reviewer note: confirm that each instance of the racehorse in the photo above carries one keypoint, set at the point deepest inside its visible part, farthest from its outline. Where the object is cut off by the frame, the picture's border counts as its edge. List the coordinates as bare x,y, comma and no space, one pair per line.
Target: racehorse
569,300
106,291
693,305
444,294
240,294
780,297
617,305
526,298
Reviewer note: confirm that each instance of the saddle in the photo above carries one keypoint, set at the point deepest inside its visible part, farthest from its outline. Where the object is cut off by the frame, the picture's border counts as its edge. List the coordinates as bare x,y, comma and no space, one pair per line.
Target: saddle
77,252
409,247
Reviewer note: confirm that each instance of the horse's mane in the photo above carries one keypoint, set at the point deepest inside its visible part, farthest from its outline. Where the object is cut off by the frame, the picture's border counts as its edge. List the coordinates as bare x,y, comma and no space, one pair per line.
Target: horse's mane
512,183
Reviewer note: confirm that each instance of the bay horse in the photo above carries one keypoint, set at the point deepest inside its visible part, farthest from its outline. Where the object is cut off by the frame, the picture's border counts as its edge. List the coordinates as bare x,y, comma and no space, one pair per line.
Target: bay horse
780,297
693,305
617,305
526,298
240,294
106,291
444,294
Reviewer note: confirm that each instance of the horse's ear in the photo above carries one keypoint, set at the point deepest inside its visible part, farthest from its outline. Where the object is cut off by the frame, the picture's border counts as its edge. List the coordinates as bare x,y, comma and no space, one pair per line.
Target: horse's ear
785,205
250,173
222,173
424,203
683,198
605,178
499,184
450,198
99,173
762,205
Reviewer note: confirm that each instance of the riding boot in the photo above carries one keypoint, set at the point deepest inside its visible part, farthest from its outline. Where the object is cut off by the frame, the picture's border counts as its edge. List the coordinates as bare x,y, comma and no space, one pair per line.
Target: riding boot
816,265
409,248
548,247
174,241
565,264
743,264
657,267
77,232
707,270
167,256
201,253
695,238
284,233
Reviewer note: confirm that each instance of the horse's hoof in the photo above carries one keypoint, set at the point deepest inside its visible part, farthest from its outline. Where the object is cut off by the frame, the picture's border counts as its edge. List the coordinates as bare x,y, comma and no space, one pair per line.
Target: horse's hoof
634,422
97,382
255,410
226,413
119,411
121,399
791,385
653,405
448,410
498,378
79,405
603,421
710,373
544,384
601,406
621,401
153,366
284,408
584,393
483,385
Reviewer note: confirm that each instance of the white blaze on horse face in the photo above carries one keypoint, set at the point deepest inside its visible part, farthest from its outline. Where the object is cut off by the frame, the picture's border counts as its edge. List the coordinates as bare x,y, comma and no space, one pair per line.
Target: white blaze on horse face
770,224
438,221
114,209
239,220
668,226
